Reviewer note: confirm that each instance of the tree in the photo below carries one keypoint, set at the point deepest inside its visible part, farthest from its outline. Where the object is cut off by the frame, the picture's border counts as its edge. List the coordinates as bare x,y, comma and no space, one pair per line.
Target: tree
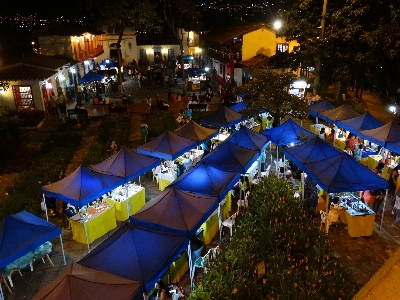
119,15
276,233
180,15
269,91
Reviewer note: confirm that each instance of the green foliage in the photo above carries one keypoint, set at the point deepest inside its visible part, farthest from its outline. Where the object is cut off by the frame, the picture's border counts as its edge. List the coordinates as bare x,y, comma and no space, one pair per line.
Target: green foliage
26,193
268,91
299,261
159,122
111,129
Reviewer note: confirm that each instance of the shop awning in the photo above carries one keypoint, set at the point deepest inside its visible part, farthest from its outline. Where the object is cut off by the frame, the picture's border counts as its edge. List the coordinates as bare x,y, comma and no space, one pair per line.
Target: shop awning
364,122
91,77
249,139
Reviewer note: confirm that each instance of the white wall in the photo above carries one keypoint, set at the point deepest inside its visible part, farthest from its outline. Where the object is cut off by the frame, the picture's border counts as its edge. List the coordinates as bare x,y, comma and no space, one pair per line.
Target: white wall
7,98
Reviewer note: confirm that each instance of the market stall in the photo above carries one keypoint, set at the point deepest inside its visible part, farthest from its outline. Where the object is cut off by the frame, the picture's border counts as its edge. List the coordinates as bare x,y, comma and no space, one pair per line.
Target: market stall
79,282
358,217
193,131
197,79
249,139
129,165
333,170
137,254
317,108
80,188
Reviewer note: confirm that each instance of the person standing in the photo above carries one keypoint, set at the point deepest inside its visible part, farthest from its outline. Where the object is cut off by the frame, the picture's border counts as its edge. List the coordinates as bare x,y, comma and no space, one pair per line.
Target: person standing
62,104
148,101
53,106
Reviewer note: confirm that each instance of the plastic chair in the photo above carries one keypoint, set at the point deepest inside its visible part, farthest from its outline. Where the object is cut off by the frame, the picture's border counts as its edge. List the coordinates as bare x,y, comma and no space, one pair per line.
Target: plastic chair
230,223
202,262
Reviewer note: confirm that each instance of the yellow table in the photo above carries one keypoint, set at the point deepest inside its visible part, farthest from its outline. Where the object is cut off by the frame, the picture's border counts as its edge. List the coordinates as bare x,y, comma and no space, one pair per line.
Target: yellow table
340,143
178,268
256,128
165,180
364,161
373,161
211,226
358,225
264,123
136,202
97,226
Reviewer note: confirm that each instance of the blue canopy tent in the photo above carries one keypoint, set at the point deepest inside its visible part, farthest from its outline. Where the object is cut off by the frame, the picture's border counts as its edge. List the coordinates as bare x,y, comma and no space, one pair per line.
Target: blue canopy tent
239,107
317,108
90,77
286,134
136,253
222,117
127,164
387,136
207,180
109,64
340,113
231,157
79,282
249,139
82,186
168,146
22,233
193,131
188,211
363,122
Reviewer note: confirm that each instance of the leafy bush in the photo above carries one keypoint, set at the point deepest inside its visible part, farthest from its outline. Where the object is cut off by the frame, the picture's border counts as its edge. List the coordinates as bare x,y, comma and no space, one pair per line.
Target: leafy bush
111,129
57,151
158,122
299,261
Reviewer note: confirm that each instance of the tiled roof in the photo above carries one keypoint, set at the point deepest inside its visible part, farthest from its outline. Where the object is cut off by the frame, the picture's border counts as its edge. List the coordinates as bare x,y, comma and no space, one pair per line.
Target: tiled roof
256,62
224,35
65,29
155,39
20,71
50,62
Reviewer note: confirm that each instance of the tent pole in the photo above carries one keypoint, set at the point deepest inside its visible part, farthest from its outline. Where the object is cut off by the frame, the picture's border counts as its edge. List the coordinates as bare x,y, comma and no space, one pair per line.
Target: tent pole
139,180
191,273
144,296
277,160
284,163
62,248
270,152
128,206
87,239
316,120
1,293
327,213
302,185
383,211
159,176
219,222
45,207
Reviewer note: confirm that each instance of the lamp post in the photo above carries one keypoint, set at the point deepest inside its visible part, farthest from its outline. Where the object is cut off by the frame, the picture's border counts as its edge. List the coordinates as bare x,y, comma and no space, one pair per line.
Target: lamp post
317,79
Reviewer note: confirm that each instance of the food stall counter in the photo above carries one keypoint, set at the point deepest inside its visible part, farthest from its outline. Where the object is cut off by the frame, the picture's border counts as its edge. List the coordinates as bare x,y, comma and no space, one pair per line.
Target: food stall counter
165,179
98,222
137,199
179,267
358,217
373,161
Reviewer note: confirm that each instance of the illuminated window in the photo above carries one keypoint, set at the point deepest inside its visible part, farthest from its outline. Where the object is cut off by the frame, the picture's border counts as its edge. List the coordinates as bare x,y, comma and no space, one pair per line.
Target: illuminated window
283,47
23,97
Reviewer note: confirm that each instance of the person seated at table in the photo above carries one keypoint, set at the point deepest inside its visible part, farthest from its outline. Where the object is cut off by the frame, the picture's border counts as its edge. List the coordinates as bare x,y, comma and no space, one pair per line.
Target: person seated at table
188,163
164,167
188,113
322,133
368,197
331,135
162,290
348,151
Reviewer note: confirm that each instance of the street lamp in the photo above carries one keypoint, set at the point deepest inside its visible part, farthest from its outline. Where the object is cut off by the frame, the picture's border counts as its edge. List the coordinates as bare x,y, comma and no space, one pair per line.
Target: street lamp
278,24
